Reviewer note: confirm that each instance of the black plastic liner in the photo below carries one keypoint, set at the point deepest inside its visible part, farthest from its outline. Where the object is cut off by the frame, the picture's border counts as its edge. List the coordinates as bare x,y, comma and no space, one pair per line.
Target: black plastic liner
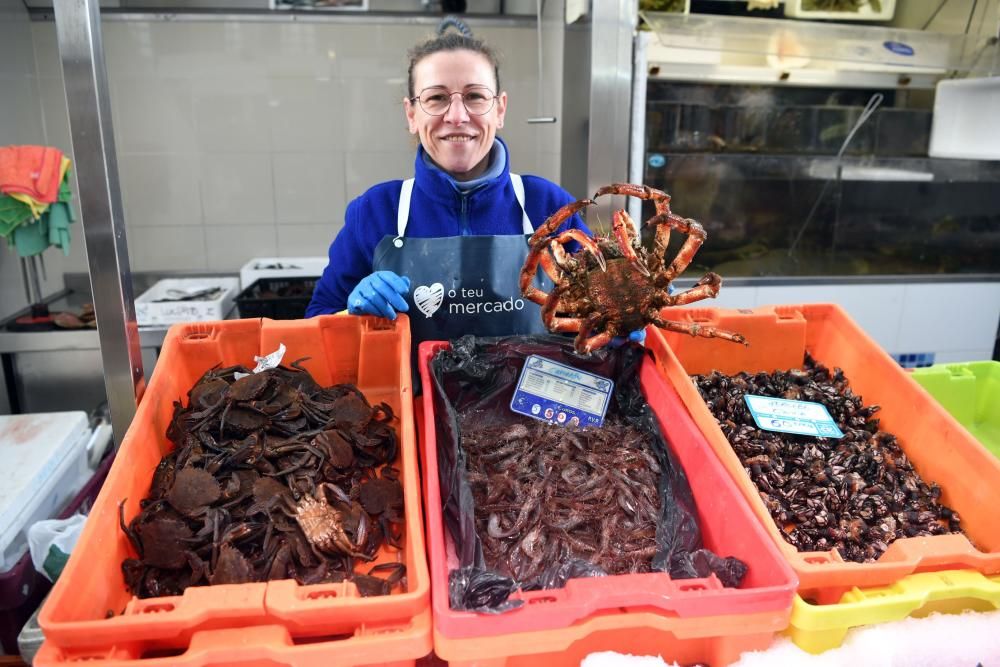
481,374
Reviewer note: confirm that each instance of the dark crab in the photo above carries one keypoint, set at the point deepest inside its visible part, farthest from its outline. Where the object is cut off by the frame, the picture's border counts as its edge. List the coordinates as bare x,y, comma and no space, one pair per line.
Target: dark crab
611,287
269,478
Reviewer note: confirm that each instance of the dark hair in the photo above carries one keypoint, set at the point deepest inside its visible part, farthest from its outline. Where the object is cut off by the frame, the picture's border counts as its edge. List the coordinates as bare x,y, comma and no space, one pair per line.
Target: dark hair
451,42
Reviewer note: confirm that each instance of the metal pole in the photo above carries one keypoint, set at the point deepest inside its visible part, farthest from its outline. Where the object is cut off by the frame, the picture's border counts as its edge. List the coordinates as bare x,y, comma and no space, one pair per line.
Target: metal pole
612,28
78,28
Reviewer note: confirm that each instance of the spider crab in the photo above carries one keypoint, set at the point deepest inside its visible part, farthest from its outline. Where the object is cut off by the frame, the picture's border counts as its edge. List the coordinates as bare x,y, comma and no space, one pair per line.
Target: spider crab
613,286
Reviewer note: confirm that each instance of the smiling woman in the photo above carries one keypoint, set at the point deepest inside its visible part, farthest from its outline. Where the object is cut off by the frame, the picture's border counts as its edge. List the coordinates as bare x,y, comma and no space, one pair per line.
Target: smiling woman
458,226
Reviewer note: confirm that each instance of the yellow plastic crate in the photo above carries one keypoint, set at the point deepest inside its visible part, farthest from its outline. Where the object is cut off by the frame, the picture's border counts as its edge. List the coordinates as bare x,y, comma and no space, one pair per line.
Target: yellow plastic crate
817,628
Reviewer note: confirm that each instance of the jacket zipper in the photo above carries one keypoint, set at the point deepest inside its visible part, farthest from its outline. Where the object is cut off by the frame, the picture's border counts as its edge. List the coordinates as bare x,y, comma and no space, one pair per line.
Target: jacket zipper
464,216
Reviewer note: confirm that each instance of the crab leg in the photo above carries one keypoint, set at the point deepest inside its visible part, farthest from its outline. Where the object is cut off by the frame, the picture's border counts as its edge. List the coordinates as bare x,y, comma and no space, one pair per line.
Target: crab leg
554,323
659,198
586,344
549,265
624,230
695,329
554,221
696,236
706,288
527,279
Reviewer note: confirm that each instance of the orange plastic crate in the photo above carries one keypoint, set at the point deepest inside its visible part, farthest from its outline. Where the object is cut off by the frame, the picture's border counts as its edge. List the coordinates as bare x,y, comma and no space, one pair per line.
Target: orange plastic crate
687,621
386,645
368,352
940,449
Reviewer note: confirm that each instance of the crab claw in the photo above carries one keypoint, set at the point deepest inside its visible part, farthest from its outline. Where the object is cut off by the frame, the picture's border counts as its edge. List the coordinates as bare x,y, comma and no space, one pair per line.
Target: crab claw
586,242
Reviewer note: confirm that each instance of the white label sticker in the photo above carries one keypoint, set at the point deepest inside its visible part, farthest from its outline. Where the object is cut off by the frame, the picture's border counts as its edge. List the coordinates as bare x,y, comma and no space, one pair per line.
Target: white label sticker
799,417
560,394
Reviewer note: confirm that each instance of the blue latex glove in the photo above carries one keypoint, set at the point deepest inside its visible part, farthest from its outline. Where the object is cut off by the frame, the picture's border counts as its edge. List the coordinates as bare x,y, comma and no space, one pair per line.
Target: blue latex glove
638,336
380,293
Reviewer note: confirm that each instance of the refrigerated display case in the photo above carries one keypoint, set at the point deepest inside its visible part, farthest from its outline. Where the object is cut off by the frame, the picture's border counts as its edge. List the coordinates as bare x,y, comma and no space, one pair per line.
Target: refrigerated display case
744,122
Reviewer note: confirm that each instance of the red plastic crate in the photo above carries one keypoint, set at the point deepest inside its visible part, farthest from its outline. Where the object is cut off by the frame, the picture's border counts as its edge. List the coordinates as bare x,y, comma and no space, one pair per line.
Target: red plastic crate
941,450
368,352
691,620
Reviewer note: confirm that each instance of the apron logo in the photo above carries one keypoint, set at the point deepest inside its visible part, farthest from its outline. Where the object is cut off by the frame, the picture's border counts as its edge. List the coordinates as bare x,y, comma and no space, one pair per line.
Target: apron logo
428,299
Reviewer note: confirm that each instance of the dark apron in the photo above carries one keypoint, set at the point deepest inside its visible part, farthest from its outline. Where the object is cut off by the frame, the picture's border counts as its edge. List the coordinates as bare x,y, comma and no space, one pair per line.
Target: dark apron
462,284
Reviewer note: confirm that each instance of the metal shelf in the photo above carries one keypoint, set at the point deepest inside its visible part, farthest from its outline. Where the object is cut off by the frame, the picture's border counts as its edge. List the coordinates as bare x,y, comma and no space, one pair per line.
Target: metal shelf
769,49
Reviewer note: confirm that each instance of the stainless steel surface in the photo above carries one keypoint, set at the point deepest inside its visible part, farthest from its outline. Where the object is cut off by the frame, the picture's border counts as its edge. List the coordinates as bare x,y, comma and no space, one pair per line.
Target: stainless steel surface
612,30
575,123
291,16
78,29
637,131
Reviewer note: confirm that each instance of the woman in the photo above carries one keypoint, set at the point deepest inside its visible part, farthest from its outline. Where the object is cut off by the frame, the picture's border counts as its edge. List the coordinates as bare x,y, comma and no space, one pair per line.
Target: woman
451,241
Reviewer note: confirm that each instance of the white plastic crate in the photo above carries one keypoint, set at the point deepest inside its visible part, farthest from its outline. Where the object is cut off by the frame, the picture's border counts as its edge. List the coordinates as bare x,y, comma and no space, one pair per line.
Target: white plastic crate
966,117
44,465
866,12
281,267
150,310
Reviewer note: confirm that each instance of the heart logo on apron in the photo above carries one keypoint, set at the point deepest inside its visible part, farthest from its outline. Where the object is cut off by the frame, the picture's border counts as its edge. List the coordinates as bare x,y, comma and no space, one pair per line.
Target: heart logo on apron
428,299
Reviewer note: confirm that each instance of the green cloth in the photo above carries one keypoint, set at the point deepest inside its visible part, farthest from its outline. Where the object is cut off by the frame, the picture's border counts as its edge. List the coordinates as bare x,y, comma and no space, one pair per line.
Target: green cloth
13,213
31,237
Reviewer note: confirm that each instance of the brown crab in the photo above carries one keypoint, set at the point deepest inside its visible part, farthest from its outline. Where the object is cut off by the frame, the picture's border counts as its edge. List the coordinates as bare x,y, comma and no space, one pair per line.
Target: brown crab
615,286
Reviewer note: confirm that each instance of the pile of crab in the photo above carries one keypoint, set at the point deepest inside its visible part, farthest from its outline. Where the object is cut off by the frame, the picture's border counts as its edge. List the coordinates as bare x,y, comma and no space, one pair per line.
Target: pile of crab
271,477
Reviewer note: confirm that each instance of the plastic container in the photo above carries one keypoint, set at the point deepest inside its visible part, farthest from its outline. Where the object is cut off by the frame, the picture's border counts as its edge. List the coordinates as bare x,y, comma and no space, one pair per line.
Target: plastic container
22,588
937,445
391,644
817,628
692,620
281,267
150,311
277,298
797,9
44,464
369,352
970,393
964,121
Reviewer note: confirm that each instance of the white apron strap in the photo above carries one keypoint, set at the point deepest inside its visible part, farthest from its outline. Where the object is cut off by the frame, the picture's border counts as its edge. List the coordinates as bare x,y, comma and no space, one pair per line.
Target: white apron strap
403,212
515,180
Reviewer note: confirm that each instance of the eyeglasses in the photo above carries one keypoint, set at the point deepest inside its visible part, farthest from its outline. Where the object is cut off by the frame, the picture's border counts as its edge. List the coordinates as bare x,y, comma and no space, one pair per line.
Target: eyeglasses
436,101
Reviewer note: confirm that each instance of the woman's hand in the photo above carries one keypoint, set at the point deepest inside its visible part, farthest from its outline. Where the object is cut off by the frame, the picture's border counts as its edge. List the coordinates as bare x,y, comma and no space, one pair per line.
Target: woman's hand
380,293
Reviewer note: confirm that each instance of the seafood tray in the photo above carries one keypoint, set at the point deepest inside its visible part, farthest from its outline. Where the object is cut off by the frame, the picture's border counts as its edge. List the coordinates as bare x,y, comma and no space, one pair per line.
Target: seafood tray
817,628
90,614
687,620
940,450
277,298
176,300
970,393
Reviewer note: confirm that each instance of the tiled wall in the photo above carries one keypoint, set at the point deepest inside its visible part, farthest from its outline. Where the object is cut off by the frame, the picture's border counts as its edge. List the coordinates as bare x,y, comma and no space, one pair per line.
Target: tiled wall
244,139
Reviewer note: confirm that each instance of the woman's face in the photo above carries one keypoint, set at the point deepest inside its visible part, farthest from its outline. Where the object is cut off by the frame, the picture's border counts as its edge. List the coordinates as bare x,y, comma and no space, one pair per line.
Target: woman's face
458,142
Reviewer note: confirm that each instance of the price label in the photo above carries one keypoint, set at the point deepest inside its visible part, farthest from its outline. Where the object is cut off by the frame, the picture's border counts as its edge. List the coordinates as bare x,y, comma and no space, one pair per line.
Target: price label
560,394
799,417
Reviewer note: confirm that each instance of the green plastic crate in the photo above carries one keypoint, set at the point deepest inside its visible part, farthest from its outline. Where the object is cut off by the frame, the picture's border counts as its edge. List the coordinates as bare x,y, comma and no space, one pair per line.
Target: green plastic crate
971,393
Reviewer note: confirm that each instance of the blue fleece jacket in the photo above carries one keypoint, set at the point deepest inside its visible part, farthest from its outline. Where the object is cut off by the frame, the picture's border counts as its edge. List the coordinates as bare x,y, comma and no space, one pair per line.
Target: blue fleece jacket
437,209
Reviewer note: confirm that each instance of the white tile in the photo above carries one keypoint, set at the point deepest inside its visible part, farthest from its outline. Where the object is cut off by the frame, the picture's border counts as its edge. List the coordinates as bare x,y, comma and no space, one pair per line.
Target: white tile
55,115
876,308
949,316
231,114
375,120
130,48
309,187
230,248
210,49
304,49
306,114
306,240
962,356
517,49
46,48
16,57
166,248
20,110
363,169
160,189
378,51
237,189
153,115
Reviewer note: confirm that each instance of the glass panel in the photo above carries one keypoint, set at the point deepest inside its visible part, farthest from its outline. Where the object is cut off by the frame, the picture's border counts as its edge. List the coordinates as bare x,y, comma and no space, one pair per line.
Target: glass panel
764,181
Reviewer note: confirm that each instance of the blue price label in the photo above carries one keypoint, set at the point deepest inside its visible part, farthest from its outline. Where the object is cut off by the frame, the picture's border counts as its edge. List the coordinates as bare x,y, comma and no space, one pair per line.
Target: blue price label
560,394
798,417
899,48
